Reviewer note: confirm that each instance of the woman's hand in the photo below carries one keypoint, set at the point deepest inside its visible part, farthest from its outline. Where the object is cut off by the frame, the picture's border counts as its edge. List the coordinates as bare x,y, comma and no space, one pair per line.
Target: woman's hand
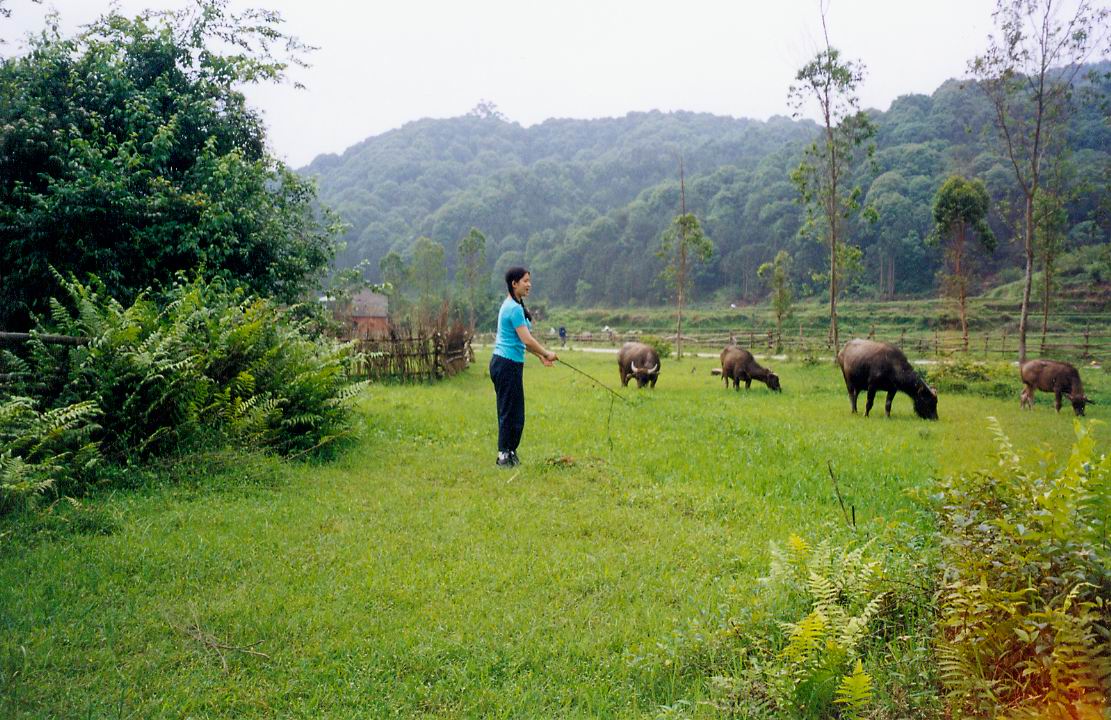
549,358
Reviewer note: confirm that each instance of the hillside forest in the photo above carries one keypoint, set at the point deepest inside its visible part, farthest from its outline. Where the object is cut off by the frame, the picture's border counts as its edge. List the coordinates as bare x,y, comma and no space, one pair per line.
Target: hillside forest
583,203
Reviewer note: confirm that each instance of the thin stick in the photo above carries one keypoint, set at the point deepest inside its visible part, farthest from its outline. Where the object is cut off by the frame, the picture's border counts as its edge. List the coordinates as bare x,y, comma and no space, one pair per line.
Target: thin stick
838,491
595,380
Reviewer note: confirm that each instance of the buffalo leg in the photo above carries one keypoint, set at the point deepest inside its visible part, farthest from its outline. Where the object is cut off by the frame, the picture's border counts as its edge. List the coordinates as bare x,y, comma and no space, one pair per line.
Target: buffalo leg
871,400
624,379
1057,400
887,405
852,399
654,381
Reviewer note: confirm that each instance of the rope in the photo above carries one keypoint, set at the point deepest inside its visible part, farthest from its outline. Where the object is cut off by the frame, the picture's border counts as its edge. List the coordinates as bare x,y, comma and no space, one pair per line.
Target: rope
595,380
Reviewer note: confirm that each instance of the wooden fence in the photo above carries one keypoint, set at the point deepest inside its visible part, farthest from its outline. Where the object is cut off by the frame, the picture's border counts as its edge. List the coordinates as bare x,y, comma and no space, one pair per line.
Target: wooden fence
1079,345
421,356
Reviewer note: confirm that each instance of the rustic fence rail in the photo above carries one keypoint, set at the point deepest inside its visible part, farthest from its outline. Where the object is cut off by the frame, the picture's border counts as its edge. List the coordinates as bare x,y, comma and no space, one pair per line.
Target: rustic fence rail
420,357
1086,345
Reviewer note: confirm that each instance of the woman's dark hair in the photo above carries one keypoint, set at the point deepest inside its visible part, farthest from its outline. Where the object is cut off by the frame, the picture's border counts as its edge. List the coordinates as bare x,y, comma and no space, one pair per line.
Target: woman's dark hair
512,275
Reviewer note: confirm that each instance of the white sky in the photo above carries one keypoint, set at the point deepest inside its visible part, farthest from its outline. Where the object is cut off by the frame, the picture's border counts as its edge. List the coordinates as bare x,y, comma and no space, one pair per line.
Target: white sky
382,63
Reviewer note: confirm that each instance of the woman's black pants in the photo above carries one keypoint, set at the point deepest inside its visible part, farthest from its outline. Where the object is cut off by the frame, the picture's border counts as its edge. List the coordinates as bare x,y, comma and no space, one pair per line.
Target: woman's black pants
508,377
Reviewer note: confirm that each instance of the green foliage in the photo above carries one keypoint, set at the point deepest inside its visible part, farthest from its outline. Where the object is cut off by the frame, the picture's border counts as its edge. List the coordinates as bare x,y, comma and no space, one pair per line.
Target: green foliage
129,152
846,602
585,200
660,345
210,363
855,692
961,205
824,176
44,450
777,275
471,274
1025,620
963,375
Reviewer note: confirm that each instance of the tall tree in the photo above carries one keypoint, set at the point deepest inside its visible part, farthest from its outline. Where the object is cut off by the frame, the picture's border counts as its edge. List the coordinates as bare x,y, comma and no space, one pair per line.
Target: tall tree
777,275
1027,73
823,178
961,207
682,244
395,277
429,277
471,271
1051,222
129,151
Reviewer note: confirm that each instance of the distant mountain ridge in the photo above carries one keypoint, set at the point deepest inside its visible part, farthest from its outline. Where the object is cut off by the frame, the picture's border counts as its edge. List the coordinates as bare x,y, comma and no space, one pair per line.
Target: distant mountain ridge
583,202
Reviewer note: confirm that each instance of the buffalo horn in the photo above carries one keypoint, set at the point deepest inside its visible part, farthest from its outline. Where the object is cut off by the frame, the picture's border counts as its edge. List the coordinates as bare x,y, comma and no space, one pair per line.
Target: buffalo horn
633,365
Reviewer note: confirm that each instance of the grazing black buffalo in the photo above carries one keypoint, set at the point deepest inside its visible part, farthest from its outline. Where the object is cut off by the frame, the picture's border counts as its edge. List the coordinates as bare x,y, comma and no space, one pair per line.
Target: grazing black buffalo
738,364
874,366
1059,378
640,361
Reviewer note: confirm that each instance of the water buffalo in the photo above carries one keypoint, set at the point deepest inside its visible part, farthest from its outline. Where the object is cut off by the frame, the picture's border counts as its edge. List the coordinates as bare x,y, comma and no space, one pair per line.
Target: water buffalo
640,361
875,366
738,364
1059,378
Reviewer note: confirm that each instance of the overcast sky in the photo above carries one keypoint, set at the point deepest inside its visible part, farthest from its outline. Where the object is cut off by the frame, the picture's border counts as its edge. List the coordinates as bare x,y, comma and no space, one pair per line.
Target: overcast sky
383,63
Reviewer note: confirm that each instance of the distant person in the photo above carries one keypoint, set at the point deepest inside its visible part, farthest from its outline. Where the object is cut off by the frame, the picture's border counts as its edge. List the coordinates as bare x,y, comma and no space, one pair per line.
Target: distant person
508,363
562,336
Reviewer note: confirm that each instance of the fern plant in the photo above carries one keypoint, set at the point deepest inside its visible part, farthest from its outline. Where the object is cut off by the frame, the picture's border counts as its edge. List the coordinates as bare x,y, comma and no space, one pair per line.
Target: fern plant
44,451
840,594
1025,621
202,363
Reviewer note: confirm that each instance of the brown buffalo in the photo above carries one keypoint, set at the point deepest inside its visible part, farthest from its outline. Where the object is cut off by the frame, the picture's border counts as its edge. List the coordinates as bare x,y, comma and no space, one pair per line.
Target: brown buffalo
737,364
874,366
640,361
1059,378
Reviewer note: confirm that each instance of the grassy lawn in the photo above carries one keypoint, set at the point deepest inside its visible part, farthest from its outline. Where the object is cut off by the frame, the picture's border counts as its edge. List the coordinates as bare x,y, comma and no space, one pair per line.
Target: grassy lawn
410,577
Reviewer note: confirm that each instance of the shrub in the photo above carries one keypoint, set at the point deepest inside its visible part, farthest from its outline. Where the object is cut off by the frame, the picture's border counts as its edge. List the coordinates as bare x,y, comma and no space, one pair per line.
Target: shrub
661,346
1025,620
208,363
41,451
817,636
979,378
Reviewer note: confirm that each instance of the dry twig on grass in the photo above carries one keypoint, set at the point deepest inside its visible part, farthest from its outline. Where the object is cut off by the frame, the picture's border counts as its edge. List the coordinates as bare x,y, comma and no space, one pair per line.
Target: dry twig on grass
211,642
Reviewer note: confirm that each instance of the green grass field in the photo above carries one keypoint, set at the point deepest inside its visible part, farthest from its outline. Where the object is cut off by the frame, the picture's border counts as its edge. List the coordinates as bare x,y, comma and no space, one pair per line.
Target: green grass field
409,577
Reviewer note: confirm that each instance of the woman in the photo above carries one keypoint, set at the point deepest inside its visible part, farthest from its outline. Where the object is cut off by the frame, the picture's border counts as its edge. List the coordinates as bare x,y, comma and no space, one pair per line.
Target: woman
508,363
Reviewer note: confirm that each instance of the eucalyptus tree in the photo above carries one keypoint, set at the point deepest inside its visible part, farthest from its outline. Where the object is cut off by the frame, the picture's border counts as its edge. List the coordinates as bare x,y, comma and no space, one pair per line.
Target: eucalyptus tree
1027,73
777,274
961,207
823,178
428,274
470,271
395,278
1051,221
682,245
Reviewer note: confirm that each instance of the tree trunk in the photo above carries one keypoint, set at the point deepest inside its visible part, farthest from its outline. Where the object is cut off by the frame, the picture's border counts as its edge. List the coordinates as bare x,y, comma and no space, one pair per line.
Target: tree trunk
961,289
882,285
1024,315
891,279
682,281
1048,270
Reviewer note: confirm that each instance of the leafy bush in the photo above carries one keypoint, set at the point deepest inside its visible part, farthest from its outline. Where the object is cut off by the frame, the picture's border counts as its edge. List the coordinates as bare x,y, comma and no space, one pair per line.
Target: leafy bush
210,363
976,377
42,451
1025,619
661,346
834,657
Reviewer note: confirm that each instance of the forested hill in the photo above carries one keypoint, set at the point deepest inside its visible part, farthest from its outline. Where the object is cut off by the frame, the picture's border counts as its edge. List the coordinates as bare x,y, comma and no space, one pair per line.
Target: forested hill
583,202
